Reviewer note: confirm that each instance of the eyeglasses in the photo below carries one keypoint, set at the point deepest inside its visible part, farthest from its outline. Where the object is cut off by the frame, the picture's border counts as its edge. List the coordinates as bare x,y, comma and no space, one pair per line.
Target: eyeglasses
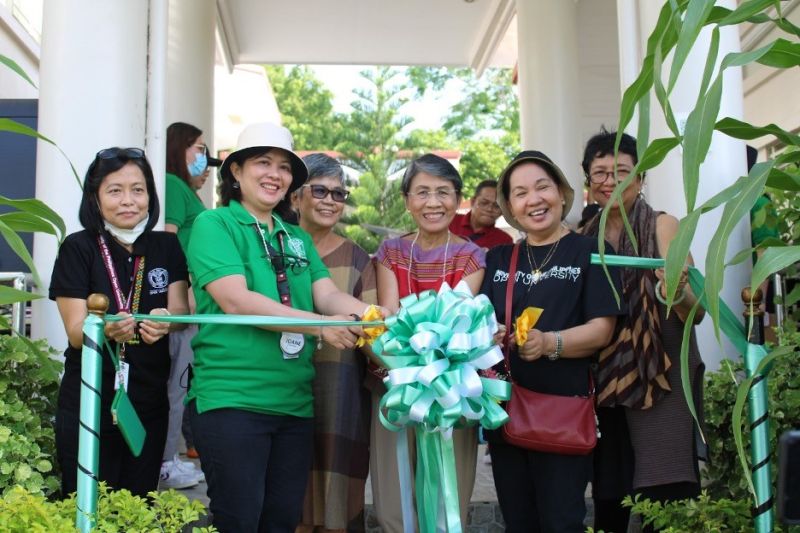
130,153
487,205
320,191
442,195
282,261
600,176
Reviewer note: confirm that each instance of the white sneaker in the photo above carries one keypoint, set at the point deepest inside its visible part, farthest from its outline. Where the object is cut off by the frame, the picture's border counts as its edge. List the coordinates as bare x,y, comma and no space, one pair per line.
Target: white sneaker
189,468
173,477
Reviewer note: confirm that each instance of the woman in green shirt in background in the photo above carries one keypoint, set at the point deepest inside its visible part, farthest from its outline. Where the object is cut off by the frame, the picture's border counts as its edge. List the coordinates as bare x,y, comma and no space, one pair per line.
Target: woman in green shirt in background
187,170
250,400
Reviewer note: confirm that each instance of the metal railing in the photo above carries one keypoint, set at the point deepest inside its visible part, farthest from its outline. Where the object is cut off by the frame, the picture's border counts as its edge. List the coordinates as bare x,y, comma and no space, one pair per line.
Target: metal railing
20,281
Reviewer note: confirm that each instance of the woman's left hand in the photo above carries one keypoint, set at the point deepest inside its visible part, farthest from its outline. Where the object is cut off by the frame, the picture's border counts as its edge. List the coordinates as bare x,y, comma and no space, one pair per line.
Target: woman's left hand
682,281
151,331
537,345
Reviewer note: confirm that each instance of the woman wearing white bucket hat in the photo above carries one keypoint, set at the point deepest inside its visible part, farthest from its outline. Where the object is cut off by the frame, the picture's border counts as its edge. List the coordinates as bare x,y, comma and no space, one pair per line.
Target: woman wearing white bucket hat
250,398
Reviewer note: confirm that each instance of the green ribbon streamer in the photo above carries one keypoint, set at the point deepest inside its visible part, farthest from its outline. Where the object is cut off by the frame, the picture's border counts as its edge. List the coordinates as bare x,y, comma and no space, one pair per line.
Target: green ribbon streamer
434,347
735,331
89,428
244,320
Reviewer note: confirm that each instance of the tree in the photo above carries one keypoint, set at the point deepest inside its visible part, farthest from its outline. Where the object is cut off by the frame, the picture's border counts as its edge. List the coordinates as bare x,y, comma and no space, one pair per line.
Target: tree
306,107
484,158
369,144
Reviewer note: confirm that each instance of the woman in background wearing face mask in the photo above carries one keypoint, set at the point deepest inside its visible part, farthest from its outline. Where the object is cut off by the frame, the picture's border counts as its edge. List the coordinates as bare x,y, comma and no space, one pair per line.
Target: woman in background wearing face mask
187,170
141,271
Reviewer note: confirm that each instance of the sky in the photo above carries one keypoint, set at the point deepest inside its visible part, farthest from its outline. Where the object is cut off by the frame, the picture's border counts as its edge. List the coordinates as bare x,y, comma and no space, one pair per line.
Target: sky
428,113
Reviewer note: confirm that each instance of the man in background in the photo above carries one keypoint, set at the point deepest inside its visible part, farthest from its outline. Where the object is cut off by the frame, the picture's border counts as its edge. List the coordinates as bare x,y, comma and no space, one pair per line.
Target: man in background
477,225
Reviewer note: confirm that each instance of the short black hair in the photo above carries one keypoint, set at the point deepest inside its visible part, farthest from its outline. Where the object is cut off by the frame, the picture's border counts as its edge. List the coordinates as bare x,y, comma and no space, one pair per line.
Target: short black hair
485,184
89,212
435,166
602,144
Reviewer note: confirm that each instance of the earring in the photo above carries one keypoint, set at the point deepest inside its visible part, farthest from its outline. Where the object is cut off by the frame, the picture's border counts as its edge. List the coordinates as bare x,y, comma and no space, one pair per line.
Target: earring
235,185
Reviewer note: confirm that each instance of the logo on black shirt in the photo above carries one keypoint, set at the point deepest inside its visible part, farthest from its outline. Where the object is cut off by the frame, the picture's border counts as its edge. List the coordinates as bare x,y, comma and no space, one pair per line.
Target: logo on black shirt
159,280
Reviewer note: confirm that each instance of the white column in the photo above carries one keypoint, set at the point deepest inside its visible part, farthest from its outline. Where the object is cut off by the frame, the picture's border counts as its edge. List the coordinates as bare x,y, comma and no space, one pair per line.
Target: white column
725,163
548,85
93,89
190,71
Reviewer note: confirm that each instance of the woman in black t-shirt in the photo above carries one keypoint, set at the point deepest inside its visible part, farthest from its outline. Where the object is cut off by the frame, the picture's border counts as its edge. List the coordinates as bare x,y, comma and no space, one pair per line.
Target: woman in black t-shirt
141,271
540,491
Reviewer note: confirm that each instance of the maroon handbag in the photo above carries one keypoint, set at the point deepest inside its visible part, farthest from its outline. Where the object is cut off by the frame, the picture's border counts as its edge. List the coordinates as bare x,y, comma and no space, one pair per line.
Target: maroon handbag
545,422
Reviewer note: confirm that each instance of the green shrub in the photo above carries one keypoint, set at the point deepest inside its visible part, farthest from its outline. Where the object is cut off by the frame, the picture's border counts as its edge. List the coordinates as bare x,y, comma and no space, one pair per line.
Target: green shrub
723,472
29,380
170,512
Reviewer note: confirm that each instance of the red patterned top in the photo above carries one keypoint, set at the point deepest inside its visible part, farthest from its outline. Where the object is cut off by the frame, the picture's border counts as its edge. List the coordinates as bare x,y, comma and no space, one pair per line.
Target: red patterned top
463,258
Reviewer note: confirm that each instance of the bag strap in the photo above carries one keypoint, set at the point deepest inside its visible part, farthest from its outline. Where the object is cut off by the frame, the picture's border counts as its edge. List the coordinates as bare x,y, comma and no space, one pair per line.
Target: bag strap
512,273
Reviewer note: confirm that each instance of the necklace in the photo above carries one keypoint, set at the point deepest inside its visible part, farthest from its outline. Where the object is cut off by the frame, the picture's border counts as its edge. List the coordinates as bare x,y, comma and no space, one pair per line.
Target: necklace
536,273
411,258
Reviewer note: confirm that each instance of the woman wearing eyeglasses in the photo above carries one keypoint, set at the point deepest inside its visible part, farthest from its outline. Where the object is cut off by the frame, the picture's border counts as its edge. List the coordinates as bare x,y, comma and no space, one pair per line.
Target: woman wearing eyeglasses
335,494
142,271
648,443
411,264
250,400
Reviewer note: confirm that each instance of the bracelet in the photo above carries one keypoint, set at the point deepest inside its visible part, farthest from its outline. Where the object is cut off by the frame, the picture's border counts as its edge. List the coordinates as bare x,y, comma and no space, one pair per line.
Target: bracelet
355,317
676,301
319,339
559,347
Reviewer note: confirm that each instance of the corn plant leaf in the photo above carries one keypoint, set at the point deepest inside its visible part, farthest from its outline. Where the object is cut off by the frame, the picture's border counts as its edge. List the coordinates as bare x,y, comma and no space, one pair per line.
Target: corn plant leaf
15,243
684,362
697,138
793,297
773,260
40,209
696,15
9,295
741,257
787,26
711,60
678,251
782,180
742,130
782,54
26,222
733,212
745,11
6,124
10,63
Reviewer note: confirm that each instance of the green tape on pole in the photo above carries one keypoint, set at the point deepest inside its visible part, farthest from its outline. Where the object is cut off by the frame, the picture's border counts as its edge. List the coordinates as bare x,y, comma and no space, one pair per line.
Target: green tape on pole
759,438
89,429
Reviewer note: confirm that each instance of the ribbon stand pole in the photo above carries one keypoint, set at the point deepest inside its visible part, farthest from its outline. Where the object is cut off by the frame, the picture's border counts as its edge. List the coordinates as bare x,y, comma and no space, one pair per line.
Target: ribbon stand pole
89,429
757,413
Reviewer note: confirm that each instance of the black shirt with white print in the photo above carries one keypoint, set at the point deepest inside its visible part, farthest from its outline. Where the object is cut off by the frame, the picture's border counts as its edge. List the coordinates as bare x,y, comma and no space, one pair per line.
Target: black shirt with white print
78,272
571,291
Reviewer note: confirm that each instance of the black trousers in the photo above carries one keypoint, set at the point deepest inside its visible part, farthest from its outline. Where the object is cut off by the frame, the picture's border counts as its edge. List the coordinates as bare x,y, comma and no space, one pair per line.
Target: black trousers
540,492
118,467
256,466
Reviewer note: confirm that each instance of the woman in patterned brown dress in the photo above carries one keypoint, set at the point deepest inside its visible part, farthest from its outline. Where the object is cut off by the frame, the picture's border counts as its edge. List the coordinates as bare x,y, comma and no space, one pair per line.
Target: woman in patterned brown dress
335,494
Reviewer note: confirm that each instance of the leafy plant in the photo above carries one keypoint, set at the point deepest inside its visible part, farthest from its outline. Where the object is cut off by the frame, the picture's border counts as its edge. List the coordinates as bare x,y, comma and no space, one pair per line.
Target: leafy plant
676,32
723,472
169,512
28,387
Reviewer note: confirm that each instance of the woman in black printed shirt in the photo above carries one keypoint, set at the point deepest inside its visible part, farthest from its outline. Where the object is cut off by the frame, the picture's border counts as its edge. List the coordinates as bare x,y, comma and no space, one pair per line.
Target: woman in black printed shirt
540,491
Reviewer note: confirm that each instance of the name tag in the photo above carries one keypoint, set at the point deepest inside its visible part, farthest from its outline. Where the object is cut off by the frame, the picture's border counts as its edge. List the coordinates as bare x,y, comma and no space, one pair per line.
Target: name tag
121,377
292,344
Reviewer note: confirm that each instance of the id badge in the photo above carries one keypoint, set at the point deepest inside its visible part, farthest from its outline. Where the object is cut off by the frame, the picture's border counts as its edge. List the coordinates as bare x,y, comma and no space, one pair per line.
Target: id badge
292,344
121,376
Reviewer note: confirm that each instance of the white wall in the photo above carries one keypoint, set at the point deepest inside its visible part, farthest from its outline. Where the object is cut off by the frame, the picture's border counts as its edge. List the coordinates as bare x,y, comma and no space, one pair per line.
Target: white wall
18,45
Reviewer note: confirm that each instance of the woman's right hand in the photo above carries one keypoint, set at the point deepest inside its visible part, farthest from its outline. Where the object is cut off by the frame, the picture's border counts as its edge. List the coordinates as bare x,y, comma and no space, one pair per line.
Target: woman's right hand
121,331
500,335
340,337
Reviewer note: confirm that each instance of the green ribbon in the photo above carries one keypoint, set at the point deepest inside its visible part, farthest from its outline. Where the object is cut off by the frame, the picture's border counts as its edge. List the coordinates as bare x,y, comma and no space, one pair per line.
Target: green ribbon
244,320
434,347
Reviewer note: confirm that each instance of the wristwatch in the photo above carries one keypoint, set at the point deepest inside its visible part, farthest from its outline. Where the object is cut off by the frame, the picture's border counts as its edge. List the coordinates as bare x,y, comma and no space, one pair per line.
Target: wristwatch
559,347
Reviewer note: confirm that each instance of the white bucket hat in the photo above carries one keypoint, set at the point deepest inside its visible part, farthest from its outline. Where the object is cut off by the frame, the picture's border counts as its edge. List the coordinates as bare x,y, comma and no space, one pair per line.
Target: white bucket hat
257,138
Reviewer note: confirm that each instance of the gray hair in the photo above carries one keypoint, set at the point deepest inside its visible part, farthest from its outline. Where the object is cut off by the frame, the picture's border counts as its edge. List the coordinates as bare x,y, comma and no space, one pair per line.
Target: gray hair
321,165
435,166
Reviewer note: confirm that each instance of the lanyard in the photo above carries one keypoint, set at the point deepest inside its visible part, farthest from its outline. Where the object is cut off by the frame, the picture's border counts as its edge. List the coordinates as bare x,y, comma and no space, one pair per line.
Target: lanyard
279,264
131,303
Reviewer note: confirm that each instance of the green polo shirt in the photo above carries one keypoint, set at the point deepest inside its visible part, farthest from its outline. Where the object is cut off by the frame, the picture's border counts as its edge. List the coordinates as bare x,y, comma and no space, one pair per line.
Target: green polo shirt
242,366
182,205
